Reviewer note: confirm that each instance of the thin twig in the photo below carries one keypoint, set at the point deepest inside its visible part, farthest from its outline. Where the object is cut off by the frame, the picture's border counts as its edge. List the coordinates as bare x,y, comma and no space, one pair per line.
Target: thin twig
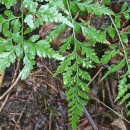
50,86
90,119
16,124
14,77
3,104
16,70
52,73
11,87
23,111
50,120
109,93
95,76
93,96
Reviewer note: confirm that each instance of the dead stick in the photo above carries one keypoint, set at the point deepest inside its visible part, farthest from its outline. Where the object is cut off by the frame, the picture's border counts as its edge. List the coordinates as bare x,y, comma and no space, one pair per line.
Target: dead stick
21,114
90,119
4,102
16,70
95,76
11,87
50,86
109,93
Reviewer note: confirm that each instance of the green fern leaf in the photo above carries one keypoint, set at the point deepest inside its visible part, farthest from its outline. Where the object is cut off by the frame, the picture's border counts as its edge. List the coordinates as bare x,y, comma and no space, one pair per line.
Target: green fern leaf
56,32
6,58
75,106
29,20
128,105
30,5
83,95
28,62
125,97
51,14
115,68
66,44
43,49
87,63
117,21
94,7
112,32
15,22
8,3
124,6
89,52
19,51
84,75
64,65
94,34
124,38
109,54
29,48
122,87
83,86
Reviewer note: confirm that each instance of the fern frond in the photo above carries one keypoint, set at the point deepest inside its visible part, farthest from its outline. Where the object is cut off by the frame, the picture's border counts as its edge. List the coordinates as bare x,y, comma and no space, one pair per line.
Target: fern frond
123,91
94,7
109,54
112,31
43,49
8,3
28,62
122,87
94,34
66,44
64,65
84,75
114,68
6,58
56,32
46,13
125,97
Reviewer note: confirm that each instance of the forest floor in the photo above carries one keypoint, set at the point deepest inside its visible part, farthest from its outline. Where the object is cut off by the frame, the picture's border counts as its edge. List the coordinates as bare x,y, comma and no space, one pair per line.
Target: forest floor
39,102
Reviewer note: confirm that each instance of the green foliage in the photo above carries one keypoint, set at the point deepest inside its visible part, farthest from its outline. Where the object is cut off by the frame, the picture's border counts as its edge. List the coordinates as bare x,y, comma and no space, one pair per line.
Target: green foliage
8,3
109,54
123,89
98,10
15,45
124,84
77,56
115,68
73,66
112,32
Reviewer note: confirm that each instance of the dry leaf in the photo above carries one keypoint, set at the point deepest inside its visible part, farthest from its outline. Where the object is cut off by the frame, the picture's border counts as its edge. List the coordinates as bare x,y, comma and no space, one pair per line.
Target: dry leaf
118,123
1,78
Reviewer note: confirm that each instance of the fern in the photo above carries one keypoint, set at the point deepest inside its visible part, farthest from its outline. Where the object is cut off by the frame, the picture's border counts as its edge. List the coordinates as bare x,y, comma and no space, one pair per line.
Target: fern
6,58
15,46
124,86
58,30
123,89
115,68
98,10
109,54
74,63
94,34
77,56
8,3
112,32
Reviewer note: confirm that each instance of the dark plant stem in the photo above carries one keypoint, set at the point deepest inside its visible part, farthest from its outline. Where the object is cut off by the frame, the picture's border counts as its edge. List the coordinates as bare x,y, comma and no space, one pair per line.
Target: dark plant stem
90,119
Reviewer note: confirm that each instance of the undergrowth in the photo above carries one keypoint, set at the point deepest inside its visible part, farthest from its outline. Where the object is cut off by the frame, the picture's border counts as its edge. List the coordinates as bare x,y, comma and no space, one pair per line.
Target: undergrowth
76,56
